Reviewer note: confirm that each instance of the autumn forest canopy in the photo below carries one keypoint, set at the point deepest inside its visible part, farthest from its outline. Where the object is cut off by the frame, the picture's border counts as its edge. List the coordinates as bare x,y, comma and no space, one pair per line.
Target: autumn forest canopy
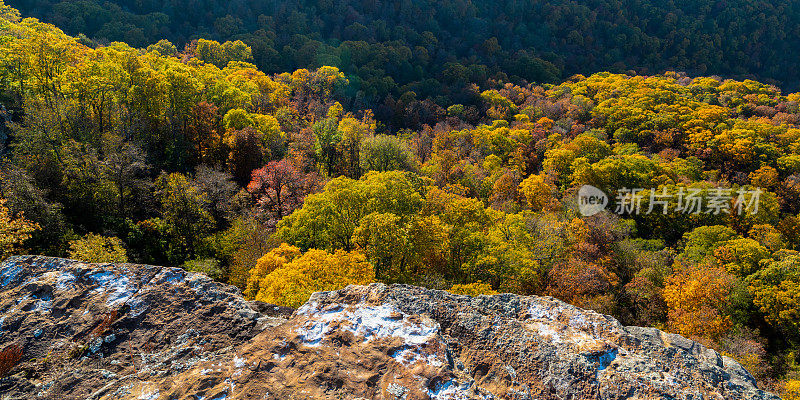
437,49
292,148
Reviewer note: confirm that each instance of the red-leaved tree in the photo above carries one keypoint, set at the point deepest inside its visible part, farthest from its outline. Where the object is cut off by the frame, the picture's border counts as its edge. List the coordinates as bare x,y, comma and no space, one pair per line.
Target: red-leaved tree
280,187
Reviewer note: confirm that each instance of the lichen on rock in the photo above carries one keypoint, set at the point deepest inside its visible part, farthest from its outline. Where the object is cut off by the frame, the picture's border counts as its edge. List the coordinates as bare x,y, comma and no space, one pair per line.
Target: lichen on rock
102,331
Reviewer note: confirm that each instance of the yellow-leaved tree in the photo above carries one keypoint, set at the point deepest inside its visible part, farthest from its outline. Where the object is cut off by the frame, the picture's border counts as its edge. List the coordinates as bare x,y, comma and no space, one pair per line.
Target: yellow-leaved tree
791,390
473,289
13,231
539,192
98,249
284,277
271,261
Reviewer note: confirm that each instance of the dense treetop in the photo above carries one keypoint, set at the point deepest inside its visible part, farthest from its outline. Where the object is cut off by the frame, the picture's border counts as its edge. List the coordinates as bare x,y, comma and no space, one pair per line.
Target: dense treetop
436,49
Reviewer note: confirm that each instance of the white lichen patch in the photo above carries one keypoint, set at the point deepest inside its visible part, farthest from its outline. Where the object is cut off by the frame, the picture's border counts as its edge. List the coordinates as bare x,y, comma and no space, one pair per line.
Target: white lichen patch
561,323
49,277
118,288
65,281
409,355
44,305
238,366
451,390
397,390
173,276
9,273
149,395
367,322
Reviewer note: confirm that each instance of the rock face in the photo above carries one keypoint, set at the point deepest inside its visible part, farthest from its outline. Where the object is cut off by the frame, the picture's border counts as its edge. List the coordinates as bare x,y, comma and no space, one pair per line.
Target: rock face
85,326
143,332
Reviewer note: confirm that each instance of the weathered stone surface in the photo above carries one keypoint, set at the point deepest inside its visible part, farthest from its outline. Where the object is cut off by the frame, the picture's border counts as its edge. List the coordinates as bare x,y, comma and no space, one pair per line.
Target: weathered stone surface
367,342
84,326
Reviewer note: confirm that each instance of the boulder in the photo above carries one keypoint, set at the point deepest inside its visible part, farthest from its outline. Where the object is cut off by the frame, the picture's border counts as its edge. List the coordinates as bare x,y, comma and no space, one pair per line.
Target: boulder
102,331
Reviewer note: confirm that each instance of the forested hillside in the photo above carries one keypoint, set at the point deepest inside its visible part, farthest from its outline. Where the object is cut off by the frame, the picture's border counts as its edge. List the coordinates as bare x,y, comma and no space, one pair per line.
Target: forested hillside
198,159
436,49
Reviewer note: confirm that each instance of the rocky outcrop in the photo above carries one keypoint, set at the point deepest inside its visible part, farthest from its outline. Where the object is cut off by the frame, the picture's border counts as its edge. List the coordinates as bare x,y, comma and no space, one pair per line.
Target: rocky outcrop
144,332
91,331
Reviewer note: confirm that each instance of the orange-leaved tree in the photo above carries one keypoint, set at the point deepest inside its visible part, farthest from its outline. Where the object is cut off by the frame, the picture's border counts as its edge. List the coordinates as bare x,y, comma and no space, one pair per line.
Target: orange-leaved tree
695,295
